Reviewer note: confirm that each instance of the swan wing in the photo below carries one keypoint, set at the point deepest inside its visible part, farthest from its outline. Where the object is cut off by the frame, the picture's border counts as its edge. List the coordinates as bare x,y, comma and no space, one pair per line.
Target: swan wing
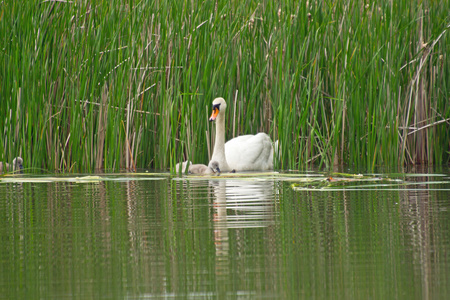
250,152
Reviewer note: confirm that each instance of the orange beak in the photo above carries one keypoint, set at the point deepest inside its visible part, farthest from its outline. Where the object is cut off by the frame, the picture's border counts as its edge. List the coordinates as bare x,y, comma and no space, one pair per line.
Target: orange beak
214,114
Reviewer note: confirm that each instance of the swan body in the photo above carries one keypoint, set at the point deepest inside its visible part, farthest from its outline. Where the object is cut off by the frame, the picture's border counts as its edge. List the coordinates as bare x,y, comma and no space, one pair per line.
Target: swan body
250,152
17,165
200,169
243,153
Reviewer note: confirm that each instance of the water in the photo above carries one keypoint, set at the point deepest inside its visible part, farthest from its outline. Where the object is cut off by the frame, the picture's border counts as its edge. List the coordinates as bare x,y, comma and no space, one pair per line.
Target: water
291,236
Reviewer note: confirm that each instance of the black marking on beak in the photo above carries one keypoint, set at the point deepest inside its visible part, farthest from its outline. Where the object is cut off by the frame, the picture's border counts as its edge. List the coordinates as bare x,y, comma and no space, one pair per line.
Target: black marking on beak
215,112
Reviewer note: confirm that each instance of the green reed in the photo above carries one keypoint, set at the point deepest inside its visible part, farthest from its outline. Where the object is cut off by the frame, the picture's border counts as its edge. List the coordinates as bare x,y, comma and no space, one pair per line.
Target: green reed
113,85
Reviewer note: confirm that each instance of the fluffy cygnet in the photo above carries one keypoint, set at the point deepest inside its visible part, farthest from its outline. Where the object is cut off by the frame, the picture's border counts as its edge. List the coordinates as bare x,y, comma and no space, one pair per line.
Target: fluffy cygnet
17,165
201,169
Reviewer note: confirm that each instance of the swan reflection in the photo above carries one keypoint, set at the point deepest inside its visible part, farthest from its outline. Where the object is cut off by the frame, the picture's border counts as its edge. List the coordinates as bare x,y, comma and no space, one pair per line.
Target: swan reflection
238,205
243,203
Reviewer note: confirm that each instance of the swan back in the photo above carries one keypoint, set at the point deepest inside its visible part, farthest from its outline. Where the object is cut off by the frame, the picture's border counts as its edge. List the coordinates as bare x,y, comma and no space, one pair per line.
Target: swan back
250,152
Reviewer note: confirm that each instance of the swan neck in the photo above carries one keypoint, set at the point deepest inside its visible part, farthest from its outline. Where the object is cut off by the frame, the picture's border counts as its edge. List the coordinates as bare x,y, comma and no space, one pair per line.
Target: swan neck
219,145
220,135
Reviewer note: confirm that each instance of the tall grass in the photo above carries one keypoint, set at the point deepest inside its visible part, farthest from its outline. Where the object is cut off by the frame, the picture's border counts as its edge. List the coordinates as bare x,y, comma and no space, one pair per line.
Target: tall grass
114,84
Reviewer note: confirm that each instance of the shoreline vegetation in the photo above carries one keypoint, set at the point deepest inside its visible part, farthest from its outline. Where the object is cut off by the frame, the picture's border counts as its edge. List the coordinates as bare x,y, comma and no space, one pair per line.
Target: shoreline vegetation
114,84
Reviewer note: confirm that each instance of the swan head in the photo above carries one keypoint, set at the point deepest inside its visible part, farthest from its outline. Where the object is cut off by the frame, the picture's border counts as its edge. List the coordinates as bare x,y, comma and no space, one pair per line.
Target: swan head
18,164
214,166
219,106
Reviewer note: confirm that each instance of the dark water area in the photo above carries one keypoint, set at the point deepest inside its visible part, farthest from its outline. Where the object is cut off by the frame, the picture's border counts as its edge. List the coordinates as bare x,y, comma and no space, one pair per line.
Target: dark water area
261,236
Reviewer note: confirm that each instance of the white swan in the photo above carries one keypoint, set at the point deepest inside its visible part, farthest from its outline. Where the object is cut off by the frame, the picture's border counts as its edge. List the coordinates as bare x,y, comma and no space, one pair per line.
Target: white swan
243,153
17,165
201,169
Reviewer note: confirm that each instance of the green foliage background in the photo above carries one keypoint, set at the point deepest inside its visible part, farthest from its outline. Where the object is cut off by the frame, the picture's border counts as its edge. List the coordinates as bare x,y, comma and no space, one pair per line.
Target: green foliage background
122,84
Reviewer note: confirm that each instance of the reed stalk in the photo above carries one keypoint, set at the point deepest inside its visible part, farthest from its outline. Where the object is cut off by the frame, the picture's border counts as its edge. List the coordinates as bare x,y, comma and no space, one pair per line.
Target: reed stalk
115,85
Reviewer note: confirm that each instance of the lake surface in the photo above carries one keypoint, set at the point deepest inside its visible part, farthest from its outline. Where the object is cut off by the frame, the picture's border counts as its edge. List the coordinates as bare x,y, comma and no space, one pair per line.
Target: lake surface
259,236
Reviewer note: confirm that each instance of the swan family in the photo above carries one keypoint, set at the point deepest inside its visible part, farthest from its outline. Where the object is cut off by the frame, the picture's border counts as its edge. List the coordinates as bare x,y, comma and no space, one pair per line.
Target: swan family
242,153
17,165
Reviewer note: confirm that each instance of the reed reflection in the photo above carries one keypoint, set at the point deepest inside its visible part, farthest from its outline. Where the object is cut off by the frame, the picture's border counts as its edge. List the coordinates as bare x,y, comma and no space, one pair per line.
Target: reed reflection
419,225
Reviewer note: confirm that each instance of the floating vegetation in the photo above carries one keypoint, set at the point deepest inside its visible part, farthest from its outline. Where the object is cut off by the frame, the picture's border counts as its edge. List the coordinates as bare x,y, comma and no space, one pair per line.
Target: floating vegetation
75,179
329,183
325,181
298,182
348,182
